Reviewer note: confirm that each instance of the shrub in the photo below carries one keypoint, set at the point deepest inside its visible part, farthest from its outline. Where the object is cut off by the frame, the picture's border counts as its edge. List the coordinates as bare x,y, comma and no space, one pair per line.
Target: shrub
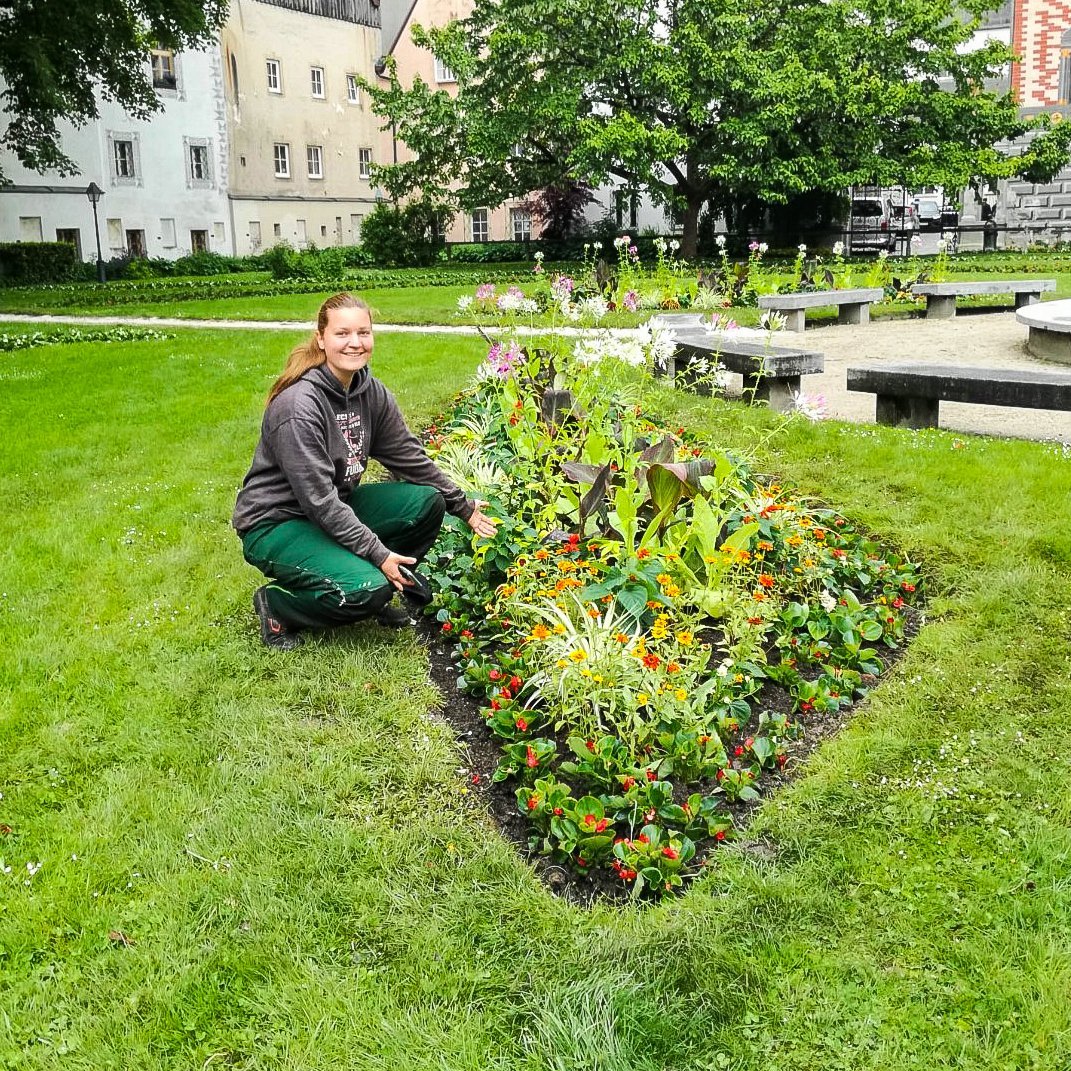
395,236
36,262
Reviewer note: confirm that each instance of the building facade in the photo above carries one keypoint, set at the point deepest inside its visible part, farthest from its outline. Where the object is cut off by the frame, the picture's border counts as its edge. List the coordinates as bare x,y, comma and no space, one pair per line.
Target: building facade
302,136
163,179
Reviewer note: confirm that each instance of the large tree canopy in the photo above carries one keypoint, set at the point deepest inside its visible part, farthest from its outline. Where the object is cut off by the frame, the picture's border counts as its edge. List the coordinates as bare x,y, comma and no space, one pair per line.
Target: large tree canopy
56,56
705,102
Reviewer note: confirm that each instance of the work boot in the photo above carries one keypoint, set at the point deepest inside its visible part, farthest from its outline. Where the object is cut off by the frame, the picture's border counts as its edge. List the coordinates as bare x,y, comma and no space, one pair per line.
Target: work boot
272,631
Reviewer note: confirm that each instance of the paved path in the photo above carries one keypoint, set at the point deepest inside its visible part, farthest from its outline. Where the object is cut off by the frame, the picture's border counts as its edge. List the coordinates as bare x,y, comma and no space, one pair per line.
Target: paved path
989,338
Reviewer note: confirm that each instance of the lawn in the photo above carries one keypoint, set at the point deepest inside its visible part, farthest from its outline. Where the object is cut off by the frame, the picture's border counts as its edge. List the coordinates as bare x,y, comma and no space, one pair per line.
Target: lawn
223,857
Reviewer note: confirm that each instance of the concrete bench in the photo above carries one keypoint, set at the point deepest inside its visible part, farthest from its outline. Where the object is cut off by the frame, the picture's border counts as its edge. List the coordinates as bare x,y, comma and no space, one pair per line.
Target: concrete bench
853,306
909,395
771,373
1049,336
941,297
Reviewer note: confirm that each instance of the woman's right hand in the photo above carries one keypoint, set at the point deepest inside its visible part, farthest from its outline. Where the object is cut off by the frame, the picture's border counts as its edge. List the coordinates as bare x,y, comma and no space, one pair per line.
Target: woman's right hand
389,568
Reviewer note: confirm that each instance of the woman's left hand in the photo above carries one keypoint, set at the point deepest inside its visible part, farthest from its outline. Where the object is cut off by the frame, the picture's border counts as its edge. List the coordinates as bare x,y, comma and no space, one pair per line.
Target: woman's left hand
481,523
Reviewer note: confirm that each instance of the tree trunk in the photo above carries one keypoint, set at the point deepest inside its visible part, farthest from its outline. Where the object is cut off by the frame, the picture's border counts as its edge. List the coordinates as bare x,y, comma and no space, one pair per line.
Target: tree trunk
690,228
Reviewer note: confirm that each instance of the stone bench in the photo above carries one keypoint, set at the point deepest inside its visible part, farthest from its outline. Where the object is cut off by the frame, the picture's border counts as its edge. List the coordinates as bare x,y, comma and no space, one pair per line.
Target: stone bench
771,373
853,306
909,395
1049,324
941,297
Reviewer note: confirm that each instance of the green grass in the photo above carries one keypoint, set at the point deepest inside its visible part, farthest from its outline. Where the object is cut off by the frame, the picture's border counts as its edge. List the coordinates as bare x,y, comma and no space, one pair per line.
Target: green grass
289,847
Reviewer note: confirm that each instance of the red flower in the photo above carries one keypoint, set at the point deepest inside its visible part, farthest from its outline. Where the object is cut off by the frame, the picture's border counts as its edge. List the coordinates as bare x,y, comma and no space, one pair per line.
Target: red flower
754,620
521,724
495,674
651,775
558,812
670,853
573,540
644,553
447,627
467,633
720,835
533,802
766,580
531,758
898,602
719,775
515,683
643,839
475,778
628,783
905,586
652,661
495,705
506,693
601,824
590,744
738,752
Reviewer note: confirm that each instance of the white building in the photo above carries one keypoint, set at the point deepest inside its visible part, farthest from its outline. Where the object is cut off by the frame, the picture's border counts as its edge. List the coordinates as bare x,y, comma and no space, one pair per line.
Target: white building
164,178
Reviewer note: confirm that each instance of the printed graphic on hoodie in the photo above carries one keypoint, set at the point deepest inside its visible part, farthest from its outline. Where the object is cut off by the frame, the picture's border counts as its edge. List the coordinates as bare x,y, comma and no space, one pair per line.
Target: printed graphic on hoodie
352,431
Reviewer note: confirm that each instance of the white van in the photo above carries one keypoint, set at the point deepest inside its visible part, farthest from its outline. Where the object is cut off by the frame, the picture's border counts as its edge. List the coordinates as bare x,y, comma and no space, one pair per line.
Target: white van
871,226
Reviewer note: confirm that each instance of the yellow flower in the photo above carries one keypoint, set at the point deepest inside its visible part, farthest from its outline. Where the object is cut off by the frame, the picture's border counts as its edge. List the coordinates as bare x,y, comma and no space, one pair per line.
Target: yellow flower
663,578
672,590
540,632
685,639
577,656
641,698
658,632
559,628
681,694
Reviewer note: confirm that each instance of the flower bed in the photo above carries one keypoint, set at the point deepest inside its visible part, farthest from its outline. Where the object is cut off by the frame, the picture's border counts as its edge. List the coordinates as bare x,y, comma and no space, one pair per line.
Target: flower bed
643,595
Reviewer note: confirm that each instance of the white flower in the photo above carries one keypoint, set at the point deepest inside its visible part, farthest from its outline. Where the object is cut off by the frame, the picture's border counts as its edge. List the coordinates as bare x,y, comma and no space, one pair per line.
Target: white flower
829,603
660,244
883,254
763,247
802,248
464,303
539,255
942,245
596,246
771,320
593,308
674,245
838,249
812,406
720,241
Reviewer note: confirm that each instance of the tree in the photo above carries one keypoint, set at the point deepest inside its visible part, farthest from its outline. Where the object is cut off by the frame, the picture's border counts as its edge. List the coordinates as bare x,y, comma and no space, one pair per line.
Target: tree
57,56
705,102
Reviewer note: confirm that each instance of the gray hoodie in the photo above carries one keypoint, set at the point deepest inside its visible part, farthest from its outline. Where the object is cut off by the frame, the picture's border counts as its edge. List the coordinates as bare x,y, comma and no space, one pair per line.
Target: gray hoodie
315,442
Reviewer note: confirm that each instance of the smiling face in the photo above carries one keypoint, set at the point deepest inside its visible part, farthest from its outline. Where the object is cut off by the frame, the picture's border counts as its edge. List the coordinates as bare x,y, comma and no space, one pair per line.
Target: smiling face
347,342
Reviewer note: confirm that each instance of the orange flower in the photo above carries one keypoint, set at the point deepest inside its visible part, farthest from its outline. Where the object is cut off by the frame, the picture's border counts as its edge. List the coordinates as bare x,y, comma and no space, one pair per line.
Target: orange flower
766,580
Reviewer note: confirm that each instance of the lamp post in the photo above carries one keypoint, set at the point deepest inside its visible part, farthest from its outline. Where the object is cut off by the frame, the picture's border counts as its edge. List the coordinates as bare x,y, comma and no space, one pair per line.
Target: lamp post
95,193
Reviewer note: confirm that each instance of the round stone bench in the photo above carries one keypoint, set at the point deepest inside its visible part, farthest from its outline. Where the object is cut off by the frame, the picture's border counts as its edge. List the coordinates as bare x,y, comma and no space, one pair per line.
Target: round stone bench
1050,330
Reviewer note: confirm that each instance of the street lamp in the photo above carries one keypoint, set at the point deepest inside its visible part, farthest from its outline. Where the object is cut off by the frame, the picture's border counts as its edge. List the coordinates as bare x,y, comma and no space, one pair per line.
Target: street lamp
95,193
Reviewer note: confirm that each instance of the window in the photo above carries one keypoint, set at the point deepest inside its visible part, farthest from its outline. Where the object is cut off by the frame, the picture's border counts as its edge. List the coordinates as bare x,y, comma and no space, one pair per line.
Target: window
521,222
219,234
167,233
353,90
30,229
443,73
355,227
479,225
254,234
198,162
72,236
115,234
163,69
234,77
364,163
275,76
323,230
123,154
281,154
277,230
315,157
135,243
316,77
302,233
199,241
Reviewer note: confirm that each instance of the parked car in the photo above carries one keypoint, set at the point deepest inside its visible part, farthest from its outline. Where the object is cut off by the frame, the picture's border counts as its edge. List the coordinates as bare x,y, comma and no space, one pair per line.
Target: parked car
905,220
871,225
928,210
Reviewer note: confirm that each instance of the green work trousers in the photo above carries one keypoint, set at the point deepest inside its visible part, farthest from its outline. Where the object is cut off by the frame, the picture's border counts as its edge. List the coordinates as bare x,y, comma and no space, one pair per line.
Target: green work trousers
316,583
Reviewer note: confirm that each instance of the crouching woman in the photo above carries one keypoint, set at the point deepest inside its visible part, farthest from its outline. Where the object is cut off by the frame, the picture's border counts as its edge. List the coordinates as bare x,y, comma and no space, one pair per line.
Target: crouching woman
335,552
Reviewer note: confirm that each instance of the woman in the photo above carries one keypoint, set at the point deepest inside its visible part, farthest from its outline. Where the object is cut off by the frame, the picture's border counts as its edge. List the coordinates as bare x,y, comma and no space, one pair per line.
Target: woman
335,551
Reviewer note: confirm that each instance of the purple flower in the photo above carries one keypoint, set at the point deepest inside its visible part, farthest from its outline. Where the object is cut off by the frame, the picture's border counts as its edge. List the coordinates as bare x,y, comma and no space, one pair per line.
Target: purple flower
485,291
630,300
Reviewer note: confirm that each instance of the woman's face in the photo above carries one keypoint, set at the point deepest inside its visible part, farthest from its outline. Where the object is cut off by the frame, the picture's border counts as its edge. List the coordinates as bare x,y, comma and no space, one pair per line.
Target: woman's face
347,342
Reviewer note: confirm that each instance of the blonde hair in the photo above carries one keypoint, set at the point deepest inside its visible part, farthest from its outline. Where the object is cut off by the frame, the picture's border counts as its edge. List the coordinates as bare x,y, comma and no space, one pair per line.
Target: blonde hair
309,354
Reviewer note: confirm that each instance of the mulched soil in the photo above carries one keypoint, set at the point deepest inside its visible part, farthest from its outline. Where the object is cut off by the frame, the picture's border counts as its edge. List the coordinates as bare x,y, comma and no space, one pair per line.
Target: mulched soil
482,753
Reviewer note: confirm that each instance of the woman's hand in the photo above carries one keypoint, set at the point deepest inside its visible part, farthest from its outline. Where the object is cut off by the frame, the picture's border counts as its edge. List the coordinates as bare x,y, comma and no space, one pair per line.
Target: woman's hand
389,568
480,523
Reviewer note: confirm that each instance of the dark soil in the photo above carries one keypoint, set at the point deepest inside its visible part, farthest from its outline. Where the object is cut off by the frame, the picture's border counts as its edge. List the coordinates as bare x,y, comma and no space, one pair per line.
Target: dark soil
482,754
